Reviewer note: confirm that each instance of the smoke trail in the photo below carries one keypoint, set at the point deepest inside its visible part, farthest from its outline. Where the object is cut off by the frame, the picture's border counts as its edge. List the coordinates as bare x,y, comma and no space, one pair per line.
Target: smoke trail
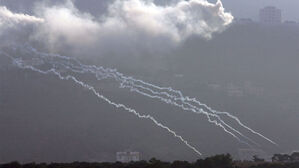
129,82
233,117
122,79
165,94
137,20
185,100
21,65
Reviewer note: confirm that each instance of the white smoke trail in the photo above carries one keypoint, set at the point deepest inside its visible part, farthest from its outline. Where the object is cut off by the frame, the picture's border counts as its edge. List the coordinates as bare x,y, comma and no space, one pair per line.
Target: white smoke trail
185,100
129,82
20,64
135,21
122,79
231,116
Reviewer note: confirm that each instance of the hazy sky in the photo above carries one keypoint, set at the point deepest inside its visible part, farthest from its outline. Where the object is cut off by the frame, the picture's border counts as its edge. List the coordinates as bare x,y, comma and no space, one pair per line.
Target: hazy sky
247,70
250,8
239,8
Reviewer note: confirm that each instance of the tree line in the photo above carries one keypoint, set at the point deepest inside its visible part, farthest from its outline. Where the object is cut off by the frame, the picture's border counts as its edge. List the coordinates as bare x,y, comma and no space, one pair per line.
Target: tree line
218,161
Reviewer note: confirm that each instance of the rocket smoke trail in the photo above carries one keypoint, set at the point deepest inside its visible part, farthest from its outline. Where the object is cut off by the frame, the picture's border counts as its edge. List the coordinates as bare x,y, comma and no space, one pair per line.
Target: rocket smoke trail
164,94
65,62
21,65
171,96
135,20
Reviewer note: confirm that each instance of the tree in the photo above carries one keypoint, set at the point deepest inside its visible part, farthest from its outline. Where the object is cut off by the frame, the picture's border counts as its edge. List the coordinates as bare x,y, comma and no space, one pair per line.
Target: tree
180,164
257,159
281,158
154,163
295,157
218,161
11,165
29,165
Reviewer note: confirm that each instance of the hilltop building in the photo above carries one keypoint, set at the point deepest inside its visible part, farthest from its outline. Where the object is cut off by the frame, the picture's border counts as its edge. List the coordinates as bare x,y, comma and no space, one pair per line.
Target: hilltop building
270,15
127,156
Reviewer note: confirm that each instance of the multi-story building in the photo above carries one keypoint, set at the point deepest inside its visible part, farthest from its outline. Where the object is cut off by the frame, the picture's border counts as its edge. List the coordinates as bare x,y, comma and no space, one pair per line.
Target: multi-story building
270,15
127,156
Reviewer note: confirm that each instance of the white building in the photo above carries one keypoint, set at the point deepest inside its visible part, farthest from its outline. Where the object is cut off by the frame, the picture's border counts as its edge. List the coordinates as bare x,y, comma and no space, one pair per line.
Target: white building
126,157
234,91
270,15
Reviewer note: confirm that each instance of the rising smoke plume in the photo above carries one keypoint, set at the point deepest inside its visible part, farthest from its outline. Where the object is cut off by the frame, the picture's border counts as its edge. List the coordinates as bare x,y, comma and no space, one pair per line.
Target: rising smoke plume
127,23
14,26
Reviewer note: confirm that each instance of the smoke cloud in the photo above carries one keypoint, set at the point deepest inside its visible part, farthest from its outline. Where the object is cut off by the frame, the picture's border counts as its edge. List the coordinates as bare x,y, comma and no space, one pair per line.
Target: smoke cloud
13,21
66,24
15,27
127,23
8,18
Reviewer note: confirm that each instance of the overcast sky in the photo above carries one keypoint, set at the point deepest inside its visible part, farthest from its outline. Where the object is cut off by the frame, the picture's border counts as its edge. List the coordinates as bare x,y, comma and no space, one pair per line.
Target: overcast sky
249,71
239,8
250,8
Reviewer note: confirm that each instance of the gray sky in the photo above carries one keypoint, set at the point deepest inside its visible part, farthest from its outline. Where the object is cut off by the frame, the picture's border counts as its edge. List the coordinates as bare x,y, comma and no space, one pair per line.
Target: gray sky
239,8
249,70
250,8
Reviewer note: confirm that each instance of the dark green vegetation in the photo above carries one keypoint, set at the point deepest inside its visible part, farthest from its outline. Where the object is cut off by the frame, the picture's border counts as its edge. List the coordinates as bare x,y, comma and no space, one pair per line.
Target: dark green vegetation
218,161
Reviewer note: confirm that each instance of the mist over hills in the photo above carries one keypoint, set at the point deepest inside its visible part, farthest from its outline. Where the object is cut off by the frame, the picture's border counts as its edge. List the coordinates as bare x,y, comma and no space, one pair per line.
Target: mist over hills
250,70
